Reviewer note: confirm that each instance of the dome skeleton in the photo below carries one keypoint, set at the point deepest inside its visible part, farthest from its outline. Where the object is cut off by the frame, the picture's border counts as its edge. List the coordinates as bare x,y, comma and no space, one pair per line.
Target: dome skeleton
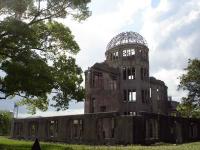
126,38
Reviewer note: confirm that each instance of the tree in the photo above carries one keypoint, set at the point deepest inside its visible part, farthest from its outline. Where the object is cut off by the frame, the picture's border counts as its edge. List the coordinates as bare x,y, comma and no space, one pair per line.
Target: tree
5,122
37,52
188,110
190,81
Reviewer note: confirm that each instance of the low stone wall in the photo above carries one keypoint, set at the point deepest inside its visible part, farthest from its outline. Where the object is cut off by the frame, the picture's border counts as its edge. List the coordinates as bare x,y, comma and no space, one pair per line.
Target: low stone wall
109,128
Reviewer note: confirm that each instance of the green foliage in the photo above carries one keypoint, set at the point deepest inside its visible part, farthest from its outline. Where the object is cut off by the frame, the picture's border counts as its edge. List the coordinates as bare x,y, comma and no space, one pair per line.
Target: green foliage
36,52
5,122
190,81
188,110
37,10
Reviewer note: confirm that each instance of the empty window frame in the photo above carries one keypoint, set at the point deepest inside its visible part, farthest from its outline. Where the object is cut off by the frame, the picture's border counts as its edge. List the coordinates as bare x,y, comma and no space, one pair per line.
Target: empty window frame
147,72
124,73
102,108
92,104
97,80
113,124
128,52
131,73
145,96
193,130
111,56
141,73
33,129
77,128
112,83
53,128
124,95
150,92
18,129
124,54
131,95
144,54
144,73
115,55
158,94
132,113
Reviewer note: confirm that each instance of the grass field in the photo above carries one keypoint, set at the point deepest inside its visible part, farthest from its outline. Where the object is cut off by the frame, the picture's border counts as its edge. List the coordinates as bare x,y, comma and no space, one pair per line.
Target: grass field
8,144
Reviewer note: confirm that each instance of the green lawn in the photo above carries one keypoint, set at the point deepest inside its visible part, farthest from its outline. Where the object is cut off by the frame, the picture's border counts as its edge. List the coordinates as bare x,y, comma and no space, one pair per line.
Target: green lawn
8,144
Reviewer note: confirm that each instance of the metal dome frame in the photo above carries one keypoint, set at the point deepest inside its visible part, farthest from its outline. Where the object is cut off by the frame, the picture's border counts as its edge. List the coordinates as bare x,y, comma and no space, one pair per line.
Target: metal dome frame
126,38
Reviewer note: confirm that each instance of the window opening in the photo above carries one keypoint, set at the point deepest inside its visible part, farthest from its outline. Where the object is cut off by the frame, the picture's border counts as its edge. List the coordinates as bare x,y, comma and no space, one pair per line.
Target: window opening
124,73
131,95
125,95
131,73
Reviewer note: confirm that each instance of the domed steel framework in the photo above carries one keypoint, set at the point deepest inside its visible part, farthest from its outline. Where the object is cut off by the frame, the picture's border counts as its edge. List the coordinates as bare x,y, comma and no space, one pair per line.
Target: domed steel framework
126,38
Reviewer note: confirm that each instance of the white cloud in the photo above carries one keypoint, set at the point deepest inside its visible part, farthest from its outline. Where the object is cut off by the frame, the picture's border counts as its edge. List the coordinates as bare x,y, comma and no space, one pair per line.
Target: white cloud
171,79
94,33
172,32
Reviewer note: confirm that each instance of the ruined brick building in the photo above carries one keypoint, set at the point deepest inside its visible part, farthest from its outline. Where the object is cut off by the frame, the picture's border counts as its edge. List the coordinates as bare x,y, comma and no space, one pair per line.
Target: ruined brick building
121,83
123,104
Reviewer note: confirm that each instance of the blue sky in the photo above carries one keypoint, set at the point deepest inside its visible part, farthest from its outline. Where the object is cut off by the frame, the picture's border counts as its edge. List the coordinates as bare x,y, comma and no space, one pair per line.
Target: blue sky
170,27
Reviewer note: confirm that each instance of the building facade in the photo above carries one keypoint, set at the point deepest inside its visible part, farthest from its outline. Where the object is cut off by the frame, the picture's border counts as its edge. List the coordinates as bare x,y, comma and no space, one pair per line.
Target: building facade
123,105
121,83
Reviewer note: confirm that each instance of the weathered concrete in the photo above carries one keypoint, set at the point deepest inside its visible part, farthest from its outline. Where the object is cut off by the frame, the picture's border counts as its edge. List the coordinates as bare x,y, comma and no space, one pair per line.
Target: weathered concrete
123,104
109,128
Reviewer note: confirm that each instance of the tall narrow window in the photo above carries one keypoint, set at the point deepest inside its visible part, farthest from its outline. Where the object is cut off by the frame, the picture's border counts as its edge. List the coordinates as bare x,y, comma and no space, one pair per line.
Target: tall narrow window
124,73
129,73
112,84
141,73
143,99
33,129
125,95
92,104
111,56
115,55
124,53
145,73
158,97
97,80
53,128
150,92
148,96
77,128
